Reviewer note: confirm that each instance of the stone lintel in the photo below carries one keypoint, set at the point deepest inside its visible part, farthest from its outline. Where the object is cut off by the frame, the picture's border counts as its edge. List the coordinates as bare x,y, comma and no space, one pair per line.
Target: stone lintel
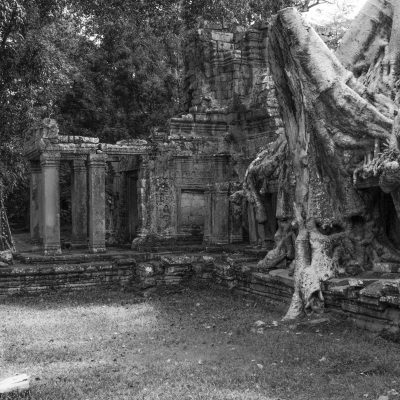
77,139
35,166
97,160
118,150
50,159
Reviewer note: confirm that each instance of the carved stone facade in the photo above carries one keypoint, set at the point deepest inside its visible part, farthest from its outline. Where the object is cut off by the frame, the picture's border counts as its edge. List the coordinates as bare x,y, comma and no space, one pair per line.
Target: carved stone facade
232,114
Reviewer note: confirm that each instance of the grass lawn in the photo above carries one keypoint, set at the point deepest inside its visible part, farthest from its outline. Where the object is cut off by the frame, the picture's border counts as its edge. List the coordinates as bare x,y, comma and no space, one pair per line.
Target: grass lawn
193,344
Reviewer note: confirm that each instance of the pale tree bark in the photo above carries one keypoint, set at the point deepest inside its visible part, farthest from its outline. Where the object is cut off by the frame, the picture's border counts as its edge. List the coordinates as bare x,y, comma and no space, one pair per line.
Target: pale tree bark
371,47
262,169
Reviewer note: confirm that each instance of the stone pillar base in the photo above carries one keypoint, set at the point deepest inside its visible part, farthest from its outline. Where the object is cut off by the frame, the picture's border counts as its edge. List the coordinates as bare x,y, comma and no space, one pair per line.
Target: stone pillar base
51,249
236,238
219,241
97,249
79,245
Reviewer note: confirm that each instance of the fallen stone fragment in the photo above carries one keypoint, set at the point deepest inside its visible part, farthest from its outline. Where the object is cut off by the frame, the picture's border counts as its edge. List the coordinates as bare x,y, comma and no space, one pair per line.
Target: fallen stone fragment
6,256
17,383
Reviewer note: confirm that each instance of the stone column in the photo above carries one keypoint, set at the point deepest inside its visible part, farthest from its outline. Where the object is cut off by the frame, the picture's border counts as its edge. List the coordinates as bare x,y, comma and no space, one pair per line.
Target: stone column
35,203
116,211
97,202
143,191
50,197
220,214
79,201
208,196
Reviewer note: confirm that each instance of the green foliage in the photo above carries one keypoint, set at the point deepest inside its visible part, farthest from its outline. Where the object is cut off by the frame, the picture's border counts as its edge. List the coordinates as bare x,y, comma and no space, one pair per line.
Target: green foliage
34,71
129,80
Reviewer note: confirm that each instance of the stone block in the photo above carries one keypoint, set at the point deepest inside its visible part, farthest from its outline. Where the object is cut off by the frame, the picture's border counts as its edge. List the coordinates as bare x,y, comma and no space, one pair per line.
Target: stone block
222,36
381,288
127,261
6,257
145,269
178,270
212,25
222,46
386,267
169,260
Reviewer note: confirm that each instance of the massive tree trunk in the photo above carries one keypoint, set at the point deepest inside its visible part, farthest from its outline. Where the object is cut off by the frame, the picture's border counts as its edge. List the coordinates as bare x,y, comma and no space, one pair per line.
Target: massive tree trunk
333,122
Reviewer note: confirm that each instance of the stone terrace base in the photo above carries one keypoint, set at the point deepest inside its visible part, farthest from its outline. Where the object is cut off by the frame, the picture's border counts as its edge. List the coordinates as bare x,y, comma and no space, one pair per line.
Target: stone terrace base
372,300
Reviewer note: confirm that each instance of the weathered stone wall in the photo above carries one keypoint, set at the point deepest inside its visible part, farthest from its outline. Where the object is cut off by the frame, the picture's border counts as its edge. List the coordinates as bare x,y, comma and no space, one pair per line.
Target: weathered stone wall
180,176
372,301
33,279
223,67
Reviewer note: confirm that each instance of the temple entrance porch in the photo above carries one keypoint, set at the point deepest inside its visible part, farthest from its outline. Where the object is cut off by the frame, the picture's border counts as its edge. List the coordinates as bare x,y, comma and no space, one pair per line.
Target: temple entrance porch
89,162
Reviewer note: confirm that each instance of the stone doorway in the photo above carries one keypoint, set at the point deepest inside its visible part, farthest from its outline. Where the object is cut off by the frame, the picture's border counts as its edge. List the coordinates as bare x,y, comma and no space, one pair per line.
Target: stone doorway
192,213
66,181
389,218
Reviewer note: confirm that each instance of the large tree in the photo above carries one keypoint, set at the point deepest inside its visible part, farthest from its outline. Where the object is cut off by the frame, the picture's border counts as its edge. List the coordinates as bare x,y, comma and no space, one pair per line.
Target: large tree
337,121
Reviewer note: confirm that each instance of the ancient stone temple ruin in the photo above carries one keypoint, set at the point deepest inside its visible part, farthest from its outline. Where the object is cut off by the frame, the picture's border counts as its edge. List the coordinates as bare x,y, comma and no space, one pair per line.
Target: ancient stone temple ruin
231,113
279,179
177,186
88,161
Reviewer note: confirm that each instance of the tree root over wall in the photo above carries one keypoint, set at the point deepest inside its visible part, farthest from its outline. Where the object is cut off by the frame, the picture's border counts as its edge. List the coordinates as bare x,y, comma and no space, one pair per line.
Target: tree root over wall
331,125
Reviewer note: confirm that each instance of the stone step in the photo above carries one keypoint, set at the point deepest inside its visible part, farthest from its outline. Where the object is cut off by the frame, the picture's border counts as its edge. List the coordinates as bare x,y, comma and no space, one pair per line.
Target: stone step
82,257
77,258
66,268
142,253
246,267
237,260
35,278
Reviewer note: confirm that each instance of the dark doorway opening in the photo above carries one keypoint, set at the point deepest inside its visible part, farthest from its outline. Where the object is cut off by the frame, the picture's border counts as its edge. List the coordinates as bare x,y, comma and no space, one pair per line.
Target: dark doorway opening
389,218
192,214
133,204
